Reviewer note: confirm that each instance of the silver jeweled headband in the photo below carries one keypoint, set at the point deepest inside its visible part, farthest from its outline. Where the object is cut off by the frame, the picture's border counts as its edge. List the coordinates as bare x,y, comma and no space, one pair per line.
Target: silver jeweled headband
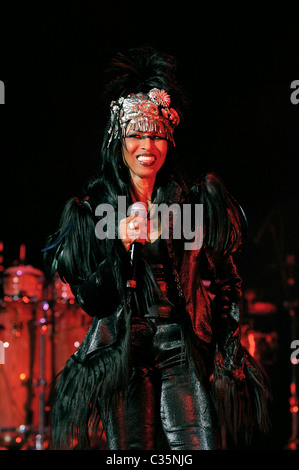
145,113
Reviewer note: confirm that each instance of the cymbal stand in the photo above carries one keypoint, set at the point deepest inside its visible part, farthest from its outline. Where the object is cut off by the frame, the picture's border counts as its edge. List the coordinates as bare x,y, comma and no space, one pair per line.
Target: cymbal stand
39,439
41,383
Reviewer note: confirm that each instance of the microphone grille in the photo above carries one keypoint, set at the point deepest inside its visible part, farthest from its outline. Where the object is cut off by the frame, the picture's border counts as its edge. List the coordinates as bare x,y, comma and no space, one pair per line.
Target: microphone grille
138,208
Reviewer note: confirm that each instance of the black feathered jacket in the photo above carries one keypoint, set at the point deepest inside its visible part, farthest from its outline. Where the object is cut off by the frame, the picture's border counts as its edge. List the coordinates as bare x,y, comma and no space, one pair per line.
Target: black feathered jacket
98,368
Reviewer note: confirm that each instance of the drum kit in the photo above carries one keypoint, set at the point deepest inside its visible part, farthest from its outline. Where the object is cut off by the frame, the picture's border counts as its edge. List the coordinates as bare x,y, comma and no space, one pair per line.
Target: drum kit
41,326
267,333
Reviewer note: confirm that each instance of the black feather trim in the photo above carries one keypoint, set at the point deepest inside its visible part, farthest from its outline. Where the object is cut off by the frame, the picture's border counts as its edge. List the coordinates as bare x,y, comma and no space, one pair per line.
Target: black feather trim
73,251
242,403
86,390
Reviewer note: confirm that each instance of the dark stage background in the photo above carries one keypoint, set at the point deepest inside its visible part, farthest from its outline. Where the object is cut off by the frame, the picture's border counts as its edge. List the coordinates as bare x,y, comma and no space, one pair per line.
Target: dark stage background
237,67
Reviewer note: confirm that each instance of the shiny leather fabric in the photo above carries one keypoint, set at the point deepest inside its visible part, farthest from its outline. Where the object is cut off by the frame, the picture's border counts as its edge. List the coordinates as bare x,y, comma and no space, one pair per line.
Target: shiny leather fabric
163,393
102,333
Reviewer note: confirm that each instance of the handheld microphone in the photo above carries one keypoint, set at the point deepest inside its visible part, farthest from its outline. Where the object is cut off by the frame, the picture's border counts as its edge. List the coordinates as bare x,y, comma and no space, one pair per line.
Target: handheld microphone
138,208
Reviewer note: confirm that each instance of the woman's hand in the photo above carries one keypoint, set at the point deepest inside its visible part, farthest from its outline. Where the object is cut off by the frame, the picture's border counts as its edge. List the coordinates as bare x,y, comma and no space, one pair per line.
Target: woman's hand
131,229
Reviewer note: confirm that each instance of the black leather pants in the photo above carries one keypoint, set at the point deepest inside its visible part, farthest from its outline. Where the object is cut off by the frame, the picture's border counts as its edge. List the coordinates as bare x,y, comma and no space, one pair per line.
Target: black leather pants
163,394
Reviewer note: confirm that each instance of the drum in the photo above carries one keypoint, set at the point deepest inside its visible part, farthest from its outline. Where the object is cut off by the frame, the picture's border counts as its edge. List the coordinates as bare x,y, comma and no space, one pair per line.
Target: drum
259,331
22,327
262,345
23,282
71,323
62,292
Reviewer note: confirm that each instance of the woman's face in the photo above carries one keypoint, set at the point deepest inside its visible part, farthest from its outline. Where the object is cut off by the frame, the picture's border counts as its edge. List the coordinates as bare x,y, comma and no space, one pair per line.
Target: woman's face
144,153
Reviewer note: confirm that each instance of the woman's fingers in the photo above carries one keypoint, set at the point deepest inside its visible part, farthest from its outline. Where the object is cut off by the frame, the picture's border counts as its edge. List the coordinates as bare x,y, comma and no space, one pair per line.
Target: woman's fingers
132,228
137,228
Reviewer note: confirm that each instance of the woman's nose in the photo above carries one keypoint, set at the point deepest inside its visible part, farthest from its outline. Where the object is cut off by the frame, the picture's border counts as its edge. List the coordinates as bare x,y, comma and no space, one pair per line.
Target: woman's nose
146,143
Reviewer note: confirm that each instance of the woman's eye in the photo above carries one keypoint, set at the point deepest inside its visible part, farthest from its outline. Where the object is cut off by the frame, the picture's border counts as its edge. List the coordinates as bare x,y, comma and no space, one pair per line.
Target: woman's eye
140,137
134,136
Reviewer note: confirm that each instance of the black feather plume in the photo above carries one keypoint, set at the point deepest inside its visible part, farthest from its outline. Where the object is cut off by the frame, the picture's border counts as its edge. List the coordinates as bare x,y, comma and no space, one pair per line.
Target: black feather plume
225,224
140,70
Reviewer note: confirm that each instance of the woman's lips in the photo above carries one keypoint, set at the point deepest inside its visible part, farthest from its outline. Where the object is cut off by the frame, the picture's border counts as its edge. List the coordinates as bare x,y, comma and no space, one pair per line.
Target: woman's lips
146,160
